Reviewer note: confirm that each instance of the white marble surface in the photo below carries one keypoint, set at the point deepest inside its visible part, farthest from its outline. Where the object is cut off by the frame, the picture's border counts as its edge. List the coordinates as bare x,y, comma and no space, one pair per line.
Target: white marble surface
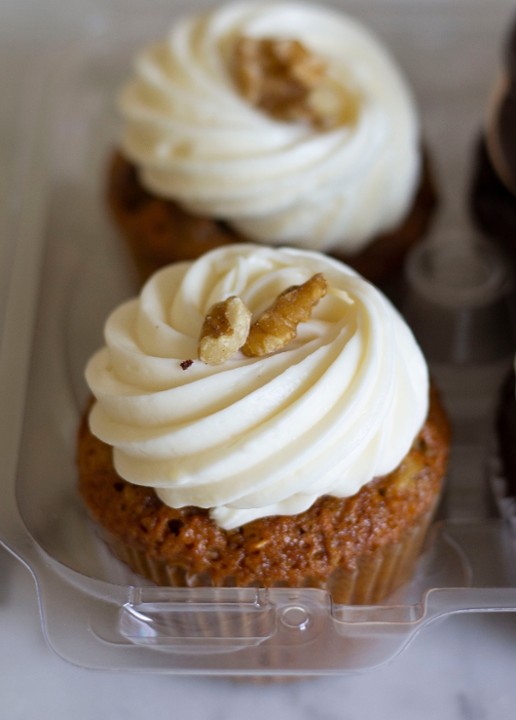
461,668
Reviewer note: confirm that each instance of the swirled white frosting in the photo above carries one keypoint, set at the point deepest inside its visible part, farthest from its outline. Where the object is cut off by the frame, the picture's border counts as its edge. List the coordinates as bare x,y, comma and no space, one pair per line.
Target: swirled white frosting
197,141
257,436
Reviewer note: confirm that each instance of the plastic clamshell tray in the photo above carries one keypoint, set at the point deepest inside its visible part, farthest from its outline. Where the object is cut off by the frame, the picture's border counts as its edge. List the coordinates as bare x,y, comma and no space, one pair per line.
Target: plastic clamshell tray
68,269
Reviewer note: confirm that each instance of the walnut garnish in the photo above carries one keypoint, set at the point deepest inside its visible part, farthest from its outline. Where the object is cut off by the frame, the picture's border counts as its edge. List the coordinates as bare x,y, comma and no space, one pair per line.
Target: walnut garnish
286,80
224,331
277,76
277,326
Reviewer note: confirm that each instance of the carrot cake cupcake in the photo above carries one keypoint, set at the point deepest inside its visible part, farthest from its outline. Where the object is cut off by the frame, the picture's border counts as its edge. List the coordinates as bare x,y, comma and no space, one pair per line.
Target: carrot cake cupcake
281,123
263,417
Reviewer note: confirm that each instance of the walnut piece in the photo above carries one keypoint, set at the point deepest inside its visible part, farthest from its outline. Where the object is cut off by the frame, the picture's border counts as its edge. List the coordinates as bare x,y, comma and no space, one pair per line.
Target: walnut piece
277,326
224,331
278,76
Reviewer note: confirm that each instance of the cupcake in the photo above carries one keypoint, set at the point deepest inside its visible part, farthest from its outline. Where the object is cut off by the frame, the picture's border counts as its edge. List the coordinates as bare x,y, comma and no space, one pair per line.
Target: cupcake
276,123
493,193
262,417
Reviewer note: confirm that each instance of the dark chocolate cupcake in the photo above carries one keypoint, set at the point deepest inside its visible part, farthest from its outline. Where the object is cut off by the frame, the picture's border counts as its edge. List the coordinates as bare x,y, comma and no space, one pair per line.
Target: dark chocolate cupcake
506,430
493,192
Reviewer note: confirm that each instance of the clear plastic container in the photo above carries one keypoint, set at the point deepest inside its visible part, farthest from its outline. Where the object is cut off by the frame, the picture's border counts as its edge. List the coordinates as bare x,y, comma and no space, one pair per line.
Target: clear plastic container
68,269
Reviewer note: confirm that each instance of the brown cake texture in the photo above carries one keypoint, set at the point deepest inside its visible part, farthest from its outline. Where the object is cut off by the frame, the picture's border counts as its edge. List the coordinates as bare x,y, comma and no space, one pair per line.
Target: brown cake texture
158,231
359,548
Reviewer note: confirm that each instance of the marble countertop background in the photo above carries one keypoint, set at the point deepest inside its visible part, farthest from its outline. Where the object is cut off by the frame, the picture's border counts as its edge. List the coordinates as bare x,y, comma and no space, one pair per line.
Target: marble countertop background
462,668
459,669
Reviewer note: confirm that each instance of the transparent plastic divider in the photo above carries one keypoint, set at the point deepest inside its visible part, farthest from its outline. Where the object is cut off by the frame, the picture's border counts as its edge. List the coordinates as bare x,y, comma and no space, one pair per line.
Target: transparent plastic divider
21,277
468,567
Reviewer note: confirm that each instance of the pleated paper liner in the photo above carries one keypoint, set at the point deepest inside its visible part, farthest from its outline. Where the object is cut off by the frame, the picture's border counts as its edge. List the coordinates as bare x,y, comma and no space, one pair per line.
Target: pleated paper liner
375,576
212,623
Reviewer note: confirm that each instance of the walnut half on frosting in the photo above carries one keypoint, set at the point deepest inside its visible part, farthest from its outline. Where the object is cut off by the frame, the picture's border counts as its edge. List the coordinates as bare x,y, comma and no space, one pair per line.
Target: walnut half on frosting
290,83
277,76
277,326
227,326
224,331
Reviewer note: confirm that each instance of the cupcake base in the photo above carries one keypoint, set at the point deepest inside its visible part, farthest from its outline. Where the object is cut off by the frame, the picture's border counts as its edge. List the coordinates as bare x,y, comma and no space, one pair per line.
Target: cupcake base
359,548
159,231
373,578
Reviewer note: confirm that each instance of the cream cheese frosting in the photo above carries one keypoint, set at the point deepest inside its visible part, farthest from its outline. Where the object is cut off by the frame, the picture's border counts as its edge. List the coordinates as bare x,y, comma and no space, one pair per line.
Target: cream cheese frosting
254,437
197,141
